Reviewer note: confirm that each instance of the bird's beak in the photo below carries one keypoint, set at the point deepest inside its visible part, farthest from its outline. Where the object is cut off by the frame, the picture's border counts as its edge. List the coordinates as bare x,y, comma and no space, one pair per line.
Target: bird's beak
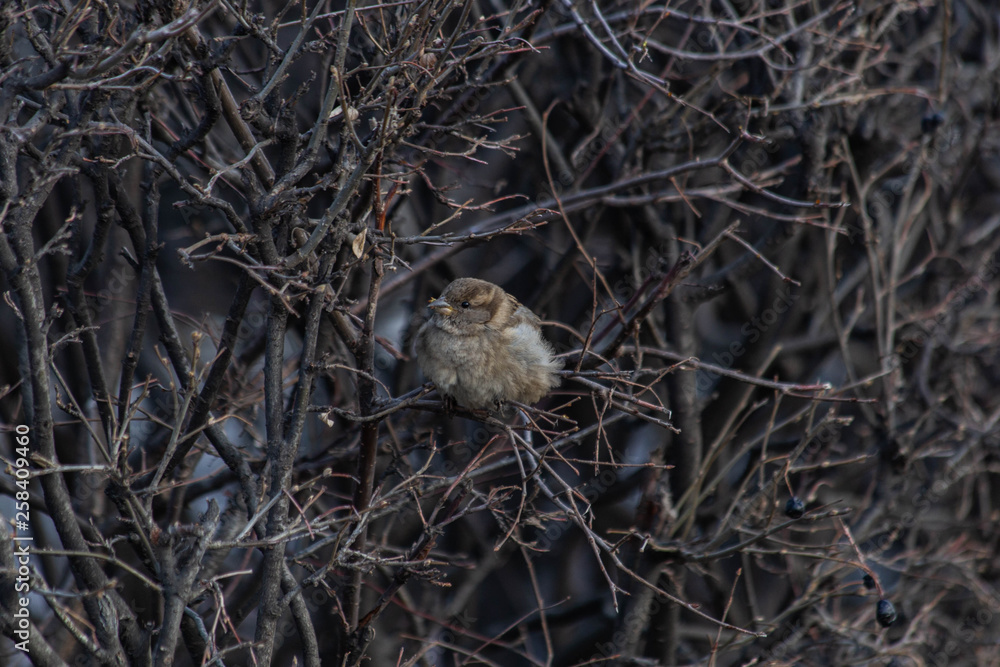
441,306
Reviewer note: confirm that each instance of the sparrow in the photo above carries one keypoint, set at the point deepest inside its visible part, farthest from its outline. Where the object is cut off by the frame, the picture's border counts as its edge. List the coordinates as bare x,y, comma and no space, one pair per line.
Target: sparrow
481,347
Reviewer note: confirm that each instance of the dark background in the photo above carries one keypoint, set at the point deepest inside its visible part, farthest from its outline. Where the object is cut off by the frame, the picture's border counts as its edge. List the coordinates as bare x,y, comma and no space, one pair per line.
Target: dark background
763,237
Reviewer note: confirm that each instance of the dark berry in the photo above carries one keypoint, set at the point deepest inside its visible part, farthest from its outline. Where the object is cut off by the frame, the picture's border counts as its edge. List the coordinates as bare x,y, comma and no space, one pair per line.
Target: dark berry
868,582
931,122
885,613
795,508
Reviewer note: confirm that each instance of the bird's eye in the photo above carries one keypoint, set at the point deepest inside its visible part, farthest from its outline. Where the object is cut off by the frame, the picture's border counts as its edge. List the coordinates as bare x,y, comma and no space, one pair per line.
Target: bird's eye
465,304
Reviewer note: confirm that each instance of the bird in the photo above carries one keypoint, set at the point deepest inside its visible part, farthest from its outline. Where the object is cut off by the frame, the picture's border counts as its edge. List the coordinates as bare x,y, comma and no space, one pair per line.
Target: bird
481,347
